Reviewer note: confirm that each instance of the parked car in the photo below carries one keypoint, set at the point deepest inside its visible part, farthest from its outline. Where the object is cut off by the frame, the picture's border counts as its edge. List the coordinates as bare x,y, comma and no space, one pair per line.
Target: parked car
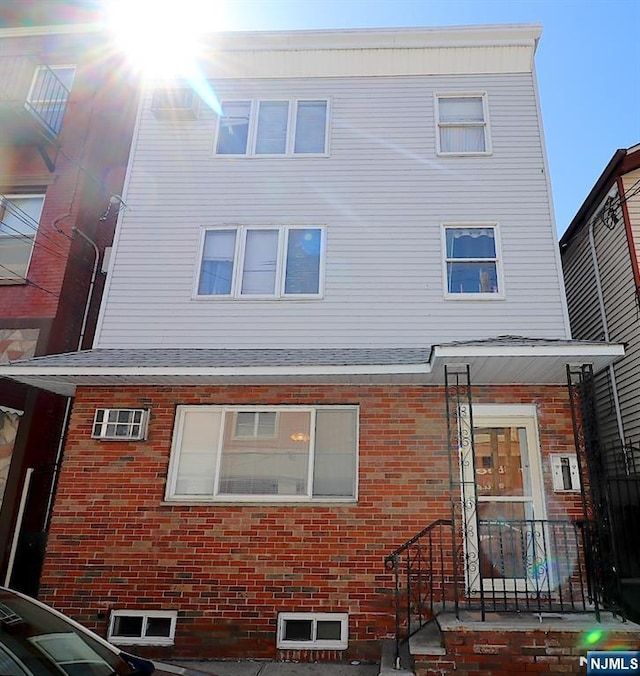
37,640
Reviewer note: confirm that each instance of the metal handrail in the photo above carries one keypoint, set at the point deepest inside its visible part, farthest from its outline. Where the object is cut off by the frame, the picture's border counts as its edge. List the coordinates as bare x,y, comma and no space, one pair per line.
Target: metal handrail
424,580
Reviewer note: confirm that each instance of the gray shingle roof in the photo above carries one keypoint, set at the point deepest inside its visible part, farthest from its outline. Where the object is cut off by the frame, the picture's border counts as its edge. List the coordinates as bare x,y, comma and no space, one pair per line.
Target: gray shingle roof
203,358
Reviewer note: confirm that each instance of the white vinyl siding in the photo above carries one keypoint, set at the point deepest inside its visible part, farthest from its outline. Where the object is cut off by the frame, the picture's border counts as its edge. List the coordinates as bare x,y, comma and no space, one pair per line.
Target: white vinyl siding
265,454
382,196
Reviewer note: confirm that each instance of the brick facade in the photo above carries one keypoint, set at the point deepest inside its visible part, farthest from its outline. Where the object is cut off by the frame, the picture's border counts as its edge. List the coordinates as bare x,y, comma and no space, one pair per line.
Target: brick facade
504,653
228,569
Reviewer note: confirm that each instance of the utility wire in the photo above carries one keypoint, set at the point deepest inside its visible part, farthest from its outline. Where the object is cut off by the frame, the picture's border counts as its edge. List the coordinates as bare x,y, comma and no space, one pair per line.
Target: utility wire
29,282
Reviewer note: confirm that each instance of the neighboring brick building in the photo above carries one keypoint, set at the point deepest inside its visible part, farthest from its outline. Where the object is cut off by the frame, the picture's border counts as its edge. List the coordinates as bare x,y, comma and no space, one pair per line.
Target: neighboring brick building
334,324
67,109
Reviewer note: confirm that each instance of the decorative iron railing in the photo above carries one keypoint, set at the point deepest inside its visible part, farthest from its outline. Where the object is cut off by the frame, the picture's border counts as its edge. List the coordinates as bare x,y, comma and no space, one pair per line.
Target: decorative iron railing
528,565
423,570
28,86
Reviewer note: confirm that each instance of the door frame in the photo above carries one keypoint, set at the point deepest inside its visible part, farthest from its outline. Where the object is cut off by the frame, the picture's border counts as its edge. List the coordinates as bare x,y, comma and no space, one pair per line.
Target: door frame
497,415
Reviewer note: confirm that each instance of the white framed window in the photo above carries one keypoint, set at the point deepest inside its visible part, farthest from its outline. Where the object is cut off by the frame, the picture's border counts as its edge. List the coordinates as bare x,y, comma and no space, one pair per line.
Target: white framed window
472,261
120,424
463,127
49,94
264,262
313,631
19,220
142,627
255,424
311,456
273,128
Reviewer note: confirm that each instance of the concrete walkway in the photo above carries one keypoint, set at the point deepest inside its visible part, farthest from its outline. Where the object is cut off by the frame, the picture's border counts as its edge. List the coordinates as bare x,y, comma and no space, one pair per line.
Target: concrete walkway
266,668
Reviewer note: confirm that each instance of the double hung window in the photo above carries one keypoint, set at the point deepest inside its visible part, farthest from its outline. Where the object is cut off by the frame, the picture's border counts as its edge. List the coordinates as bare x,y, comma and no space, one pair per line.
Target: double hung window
462,124
472,261
282,127
267,453
261,262
19,219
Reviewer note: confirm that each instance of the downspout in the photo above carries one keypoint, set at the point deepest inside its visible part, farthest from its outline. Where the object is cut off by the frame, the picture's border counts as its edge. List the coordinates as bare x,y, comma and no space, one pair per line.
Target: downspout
94,274
67,411
605,328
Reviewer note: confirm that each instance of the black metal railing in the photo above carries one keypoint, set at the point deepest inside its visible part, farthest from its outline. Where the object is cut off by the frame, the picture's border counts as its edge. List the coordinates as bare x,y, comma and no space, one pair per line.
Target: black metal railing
27,86
528,565
532,565
422,569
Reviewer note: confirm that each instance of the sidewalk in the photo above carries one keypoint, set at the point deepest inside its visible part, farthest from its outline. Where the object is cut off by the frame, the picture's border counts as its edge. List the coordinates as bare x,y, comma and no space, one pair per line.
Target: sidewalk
267,668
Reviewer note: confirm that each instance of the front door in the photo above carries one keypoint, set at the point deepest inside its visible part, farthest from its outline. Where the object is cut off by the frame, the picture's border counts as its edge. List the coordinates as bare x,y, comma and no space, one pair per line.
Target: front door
506,537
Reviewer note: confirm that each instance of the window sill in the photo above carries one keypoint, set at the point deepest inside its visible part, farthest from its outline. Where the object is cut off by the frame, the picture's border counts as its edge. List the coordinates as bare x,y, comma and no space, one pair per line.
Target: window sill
475,297
253,501
278,299
13,282
474,154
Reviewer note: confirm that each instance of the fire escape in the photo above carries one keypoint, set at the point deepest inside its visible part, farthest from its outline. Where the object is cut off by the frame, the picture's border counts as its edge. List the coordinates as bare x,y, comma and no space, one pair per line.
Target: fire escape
33,100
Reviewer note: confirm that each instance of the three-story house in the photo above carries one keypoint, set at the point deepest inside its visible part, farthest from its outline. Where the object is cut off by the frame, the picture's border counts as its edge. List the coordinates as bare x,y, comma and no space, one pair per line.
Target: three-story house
334,322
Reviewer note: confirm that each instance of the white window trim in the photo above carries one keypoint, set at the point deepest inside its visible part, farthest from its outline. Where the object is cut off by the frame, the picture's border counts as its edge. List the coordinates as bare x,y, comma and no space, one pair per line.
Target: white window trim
255,426
501,294
4,276
238,264
485,124
314,644
144,423
174,459
254,108
143,640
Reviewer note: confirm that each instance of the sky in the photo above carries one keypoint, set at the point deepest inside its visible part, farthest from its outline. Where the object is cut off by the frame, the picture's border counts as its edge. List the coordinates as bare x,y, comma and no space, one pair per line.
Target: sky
587,63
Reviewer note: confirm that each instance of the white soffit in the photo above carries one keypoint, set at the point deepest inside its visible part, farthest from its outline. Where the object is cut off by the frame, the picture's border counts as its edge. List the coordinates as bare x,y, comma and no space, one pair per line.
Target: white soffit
488,363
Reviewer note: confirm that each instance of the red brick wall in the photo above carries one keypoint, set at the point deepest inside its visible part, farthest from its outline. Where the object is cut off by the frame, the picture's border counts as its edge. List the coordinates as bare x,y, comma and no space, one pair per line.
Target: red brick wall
504,653
229,568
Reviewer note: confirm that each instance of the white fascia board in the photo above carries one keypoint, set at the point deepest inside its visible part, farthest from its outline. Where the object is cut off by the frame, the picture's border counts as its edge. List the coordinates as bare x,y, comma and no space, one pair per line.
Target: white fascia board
398,38
62,29
580,353
219,371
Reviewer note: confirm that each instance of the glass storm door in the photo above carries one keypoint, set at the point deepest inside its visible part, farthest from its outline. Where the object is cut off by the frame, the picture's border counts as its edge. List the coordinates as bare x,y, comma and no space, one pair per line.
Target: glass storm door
508,490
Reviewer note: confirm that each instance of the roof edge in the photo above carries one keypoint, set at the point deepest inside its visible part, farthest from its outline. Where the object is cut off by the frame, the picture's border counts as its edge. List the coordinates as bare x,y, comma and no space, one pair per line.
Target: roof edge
595,196
52,29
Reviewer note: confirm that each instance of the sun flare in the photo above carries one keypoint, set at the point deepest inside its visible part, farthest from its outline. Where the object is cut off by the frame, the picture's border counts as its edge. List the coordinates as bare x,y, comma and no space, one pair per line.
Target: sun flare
163,38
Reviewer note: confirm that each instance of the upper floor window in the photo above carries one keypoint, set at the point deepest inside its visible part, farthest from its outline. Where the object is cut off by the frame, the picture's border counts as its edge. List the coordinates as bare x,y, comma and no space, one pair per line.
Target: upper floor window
242,262
19,218
269,127
462,124
310,454
472,262
49,94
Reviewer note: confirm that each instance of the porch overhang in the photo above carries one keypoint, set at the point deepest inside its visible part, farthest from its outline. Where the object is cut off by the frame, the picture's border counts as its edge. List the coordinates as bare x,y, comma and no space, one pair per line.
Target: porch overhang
504,360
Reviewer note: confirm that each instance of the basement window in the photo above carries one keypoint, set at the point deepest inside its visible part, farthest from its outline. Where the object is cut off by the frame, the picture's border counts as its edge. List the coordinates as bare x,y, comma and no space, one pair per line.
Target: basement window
120,424
142,627
314,631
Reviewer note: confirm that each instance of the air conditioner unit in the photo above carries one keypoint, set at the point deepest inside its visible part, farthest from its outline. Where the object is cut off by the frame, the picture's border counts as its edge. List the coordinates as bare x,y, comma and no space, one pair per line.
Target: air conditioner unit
175,104
120,424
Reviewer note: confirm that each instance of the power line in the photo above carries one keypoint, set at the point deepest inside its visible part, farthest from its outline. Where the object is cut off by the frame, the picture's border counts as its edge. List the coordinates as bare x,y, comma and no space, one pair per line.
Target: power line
29,282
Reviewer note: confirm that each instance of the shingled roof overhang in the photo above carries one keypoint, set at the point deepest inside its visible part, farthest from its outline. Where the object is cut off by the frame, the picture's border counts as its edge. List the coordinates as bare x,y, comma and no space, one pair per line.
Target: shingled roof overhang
504,360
